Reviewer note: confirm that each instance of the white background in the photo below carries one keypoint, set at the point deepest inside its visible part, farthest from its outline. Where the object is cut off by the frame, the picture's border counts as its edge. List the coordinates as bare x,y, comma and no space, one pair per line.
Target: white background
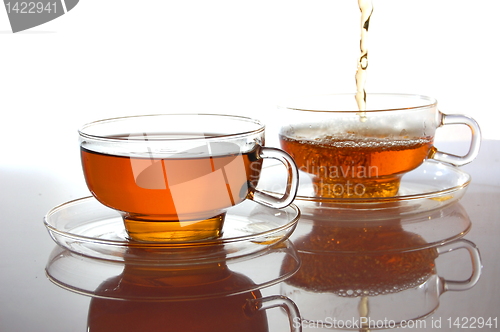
111,58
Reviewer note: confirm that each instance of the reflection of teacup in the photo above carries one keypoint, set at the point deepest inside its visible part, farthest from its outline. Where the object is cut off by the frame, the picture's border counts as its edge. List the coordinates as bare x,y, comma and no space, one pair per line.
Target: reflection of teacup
173,295
358,155
173,176
229,313
370,275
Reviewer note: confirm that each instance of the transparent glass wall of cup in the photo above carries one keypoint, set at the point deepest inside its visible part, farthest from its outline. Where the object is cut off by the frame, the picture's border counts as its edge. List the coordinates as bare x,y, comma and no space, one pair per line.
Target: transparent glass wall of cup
353,154
173,176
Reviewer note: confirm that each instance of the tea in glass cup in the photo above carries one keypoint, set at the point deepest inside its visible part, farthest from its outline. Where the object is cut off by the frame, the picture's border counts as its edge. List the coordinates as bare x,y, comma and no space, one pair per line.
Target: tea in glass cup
353,154
173,176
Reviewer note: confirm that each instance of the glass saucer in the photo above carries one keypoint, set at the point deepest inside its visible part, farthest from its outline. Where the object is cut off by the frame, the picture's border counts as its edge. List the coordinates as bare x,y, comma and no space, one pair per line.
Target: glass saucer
87,227
432,185
164,281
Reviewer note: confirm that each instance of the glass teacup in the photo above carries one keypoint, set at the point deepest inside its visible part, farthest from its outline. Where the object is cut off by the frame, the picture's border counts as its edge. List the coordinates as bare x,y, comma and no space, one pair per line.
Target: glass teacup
353,154
173,176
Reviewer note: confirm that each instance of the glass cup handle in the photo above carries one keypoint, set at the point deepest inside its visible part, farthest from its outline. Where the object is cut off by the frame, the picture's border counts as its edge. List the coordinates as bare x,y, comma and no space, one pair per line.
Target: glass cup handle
447,119
254,305
454,285
291,185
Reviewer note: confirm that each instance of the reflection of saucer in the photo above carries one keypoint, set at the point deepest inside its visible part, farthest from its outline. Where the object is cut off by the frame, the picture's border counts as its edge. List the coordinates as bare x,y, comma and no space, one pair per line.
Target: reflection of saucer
87,227
430,186
434,227
171,280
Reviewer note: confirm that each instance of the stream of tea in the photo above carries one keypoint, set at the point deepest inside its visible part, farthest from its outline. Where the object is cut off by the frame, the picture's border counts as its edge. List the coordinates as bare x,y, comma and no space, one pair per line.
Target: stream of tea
366,8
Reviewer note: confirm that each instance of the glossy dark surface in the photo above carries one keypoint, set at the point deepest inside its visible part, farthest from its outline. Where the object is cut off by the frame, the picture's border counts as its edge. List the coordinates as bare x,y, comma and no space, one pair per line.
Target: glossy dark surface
30,302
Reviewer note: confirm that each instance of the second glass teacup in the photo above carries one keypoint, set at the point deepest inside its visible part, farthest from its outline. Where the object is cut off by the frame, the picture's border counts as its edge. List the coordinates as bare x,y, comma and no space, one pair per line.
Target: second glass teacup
172,176
353,154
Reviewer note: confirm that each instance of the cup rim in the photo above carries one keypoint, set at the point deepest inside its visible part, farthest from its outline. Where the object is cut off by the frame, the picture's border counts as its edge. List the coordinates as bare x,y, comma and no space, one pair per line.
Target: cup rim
84,134
431,102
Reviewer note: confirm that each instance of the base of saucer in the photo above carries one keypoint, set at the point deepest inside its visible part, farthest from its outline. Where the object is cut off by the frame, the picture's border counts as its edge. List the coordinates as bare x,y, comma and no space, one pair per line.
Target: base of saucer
431,186
87,227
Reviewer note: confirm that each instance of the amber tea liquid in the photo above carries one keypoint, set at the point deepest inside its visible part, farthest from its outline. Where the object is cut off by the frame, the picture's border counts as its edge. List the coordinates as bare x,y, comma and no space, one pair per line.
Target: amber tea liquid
181,198
357,167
